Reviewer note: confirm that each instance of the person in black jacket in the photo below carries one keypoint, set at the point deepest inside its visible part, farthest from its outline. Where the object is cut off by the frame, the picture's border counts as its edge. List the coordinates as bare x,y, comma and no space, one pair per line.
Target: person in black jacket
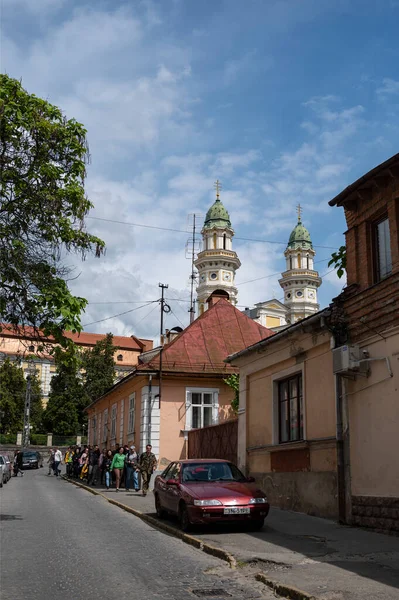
94,457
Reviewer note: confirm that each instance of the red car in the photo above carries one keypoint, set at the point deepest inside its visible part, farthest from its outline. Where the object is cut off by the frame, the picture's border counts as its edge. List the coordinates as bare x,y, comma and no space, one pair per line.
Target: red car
204,491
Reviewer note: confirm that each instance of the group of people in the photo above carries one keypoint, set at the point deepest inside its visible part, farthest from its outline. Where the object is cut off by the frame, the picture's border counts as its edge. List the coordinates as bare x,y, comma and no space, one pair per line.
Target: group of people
123,467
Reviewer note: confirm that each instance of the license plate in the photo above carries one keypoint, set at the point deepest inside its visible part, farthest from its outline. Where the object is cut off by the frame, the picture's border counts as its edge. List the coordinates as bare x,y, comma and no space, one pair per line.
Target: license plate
236,510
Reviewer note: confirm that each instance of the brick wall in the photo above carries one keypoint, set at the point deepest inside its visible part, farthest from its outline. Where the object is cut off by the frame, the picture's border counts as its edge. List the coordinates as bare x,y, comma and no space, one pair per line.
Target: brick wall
376,303
380,514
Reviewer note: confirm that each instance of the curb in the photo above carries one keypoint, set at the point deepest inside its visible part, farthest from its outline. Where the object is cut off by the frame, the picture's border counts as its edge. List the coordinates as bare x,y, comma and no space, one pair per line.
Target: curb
185,537
286,591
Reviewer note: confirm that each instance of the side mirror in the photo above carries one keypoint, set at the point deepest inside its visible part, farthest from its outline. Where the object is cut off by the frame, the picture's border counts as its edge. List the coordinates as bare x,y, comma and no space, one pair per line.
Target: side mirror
172,482
251,479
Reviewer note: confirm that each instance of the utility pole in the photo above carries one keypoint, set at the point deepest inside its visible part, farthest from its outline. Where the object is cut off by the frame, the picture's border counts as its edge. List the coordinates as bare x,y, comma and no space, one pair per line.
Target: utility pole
192,249
192,307
26,431
165,308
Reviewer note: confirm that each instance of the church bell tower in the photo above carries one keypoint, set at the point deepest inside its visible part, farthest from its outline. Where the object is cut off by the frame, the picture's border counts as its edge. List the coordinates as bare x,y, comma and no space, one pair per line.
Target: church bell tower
300,281
217,262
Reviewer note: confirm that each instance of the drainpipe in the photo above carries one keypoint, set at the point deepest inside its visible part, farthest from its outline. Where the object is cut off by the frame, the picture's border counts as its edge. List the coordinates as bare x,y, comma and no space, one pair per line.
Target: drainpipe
149,409
341,479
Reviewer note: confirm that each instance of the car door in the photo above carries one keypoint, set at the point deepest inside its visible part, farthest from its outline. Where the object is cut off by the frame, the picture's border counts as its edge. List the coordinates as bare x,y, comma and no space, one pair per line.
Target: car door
172,495
161,484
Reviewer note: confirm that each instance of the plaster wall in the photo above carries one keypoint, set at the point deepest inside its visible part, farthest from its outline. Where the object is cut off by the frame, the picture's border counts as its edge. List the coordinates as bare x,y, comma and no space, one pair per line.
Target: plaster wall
374,421
173,412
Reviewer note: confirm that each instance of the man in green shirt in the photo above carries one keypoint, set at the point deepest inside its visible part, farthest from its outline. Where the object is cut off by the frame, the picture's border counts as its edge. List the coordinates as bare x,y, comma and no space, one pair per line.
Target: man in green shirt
118,464
148,464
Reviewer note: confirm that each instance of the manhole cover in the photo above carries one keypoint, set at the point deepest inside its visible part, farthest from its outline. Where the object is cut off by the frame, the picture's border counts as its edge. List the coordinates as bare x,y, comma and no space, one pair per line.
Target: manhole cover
214,592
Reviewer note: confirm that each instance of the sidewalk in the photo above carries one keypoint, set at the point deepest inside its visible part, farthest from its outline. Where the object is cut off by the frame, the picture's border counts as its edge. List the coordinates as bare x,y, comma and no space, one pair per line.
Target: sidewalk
320,557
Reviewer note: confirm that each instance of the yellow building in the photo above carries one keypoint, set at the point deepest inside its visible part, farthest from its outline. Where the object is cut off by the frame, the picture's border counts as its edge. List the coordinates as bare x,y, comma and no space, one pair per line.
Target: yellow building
22,346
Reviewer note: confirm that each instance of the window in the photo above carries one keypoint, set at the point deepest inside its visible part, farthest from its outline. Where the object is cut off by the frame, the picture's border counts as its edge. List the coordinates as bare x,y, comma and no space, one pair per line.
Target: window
132,408
290,409
105,425
382,249
113,422
224,241
202,407
119,357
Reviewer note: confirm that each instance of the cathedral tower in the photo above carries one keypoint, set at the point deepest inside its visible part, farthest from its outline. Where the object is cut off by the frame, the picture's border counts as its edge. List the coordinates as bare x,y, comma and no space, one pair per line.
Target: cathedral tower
217,262
300,281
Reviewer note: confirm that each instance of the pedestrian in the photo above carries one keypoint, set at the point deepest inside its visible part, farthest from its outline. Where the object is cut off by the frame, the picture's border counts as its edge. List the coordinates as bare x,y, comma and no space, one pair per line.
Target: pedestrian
117,465
132,470
57,461
69,454
76,463
107,462
50,462
101,466
148,464
94,457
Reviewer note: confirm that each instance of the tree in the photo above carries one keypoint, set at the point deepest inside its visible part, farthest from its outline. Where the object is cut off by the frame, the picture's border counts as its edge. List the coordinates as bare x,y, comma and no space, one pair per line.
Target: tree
338,260
233,381
36,404
43,158
66,393
99,368
76,384
12,397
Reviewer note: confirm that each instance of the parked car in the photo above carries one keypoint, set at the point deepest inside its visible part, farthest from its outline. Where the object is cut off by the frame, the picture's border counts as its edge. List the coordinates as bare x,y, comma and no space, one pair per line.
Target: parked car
7,470
3,475
209,491
31,459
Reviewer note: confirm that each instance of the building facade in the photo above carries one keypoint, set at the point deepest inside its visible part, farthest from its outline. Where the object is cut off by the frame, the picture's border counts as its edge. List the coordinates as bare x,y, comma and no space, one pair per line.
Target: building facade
286,417
370,303
193,395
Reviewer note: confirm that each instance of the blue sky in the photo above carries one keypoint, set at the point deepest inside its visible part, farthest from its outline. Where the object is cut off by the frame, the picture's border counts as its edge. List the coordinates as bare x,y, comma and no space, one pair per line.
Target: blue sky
284,101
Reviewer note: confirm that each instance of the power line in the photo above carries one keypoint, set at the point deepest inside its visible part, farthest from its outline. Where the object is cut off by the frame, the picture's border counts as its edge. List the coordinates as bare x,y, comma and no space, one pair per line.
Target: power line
129,224
119,314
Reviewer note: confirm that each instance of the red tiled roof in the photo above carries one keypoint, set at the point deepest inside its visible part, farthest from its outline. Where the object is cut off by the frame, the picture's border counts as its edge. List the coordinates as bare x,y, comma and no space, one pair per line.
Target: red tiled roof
206,343
82,339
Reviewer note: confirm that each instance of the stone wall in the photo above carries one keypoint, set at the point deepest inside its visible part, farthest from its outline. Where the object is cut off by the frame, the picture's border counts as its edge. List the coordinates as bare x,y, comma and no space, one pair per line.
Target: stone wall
378,513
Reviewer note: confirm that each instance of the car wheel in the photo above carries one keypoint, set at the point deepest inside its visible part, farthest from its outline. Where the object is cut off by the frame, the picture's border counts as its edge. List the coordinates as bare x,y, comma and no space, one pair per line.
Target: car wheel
161,513
184,519
257,525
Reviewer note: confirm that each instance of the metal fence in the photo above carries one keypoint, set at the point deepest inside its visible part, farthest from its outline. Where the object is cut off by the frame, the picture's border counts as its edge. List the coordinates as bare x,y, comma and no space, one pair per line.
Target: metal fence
216,441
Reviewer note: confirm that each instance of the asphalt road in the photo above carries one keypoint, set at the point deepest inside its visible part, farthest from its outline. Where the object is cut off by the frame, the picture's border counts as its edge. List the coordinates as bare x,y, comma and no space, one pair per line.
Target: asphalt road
58,542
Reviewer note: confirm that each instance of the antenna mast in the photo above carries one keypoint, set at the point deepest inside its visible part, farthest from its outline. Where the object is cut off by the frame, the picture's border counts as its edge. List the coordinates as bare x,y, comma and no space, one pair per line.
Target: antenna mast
192,248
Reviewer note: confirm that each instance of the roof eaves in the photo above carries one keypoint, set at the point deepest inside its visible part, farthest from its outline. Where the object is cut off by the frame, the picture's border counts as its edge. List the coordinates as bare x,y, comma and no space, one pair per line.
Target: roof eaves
280,334
342,196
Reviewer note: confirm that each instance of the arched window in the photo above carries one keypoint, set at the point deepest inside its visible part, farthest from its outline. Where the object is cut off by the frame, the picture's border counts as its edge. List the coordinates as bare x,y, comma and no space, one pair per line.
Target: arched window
299,261
224,241
290,262
215,241
307,261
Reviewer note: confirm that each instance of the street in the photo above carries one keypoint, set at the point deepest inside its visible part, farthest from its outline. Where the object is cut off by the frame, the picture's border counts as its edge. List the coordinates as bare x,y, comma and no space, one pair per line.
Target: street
59,542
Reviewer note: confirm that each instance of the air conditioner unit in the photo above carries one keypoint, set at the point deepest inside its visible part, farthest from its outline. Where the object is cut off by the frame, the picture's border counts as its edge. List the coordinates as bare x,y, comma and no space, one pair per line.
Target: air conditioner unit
346,359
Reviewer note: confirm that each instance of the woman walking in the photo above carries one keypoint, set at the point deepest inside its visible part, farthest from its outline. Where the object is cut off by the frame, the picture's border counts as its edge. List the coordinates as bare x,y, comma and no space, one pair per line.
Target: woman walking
117,465
132,467
107,462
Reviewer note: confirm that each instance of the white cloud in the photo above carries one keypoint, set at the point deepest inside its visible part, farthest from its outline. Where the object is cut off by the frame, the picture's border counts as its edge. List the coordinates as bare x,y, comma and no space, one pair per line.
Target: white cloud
389,87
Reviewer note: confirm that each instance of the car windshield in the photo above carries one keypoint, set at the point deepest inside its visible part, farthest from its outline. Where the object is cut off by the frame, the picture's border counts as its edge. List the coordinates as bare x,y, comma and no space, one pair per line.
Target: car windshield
30,455
217,471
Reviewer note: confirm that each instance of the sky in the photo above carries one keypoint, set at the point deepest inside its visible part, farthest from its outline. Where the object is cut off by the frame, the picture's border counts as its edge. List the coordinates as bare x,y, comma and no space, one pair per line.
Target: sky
283,101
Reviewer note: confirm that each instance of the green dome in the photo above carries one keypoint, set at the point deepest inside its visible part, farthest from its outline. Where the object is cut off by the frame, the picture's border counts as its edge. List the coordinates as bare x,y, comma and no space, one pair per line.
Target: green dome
217,216
300,237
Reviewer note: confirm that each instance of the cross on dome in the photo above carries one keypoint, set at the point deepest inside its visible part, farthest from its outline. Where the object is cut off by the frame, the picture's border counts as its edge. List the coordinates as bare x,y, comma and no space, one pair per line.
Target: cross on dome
299,212
218,186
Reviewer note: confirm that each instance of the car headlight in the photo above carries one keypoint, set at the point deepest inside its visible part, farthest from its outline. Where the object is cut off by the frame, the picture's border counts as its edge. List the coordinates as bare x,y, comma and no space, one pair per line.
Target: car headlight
207,503
258,501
